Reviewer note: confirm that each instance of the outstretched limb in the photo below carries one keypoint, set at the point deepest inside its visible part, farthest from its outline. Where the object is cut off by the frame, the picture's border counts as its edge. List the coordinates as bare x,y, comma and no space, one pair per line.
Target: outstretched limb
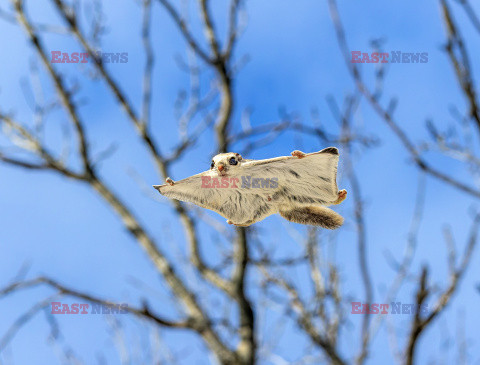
298,154
342,195
314,216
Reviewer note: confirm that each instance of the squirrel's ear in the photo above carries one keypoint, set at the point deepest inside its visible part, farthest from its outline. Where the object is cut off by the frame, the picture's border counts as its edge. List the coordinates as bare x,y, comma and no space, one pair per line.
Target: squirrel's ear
239,157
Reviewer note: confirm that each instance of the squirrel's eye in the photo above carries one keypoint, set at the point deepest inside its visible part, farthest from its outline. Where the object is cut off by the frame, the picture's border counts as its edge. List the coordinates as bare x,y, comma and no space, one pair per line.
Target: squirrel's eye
232,161
212,165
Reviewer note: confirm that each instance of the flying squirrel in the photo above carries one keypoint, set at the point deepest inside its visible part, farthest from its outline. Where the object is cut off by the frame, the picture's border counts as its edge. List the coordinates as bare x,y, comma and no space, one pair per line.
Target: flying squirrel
298,187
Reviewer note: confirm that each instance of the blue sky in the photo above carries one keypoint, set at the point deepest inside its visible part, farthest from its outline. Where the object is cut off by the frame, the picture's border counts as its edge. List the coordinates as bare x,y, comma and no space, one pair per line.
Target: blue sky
65,231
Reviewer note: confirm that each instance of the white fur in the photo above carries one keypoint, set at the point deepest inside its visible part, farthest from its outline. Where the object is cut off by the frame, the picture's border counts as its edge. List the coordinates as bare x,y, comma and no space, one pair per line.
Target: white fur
302,182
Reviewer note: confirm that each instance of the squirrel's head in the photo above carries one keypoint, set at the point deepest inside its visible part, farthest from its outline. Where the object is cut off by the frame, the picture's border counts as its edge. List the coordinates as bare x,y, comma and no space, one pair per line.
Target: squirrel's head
223,162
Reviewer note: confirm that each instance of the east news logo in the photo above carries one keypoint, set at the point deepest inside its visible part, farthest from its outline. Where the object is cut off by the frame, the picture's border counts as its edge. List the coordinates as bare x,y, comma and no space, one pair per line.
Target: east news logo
385,308
383,57
83,57
83,308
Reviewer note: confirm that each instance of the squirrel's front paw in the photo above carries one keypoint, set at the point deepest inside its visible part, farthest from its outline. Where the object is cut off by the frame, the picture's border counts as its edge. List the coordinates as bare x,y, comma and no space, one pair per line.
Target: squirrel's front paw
298,154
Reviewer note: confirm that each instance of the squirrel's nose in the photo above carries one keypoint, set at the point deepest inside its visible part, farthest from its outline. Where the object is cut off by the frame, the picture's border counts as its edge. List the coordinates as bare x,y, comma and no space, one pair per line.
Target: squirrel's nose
220,167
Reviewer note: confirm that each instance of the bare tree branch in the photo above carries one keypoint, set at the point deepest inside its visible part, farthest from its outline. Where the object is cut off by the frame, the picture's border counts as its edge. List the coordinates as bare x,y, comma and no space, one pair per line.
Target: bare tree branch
304,318
461,63
421,322
360,225
182,26
147,76
144,312
386,115
232,28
